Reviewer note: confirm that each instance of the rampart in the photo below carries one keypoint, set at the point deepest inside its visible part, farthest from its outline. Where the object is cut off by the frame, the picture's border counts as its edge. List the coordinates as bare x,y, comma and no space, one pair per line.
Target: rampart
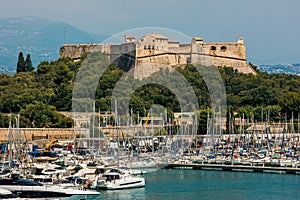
154,51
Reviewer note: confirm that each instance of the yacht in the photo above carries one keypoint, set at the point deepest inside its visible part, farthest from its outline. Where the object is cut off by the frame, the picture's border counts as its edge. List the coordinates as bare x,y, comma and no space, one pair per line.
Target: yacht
6,194
116,181
24,188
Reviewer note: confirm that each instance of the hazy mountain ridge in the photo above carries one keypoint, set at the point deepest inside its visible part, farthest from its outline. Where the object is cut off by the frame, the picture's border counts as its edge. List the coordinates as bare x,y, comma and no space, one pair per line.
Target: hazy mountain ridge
39,37
42,38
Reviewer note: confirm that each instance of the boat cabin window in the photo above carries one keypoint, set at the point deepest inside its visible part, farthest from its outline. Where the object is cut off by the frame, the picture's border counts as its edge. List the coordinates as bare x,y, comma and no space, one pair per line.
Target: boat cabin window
26,182
43,180
114,170
112,177
18,182
100,170
5,182
50,170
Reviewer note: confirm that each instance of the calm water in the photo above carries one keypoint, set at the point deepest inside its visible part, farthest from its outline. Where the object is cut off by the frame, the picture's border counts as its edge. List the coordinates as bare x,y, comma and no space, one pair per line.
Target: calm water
197,184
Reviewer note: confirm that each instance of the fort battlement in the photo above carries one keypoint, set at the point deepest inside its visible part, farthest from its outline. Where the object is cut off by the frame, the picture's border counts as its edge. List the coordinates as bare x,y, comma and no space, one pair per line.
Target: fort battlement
153,51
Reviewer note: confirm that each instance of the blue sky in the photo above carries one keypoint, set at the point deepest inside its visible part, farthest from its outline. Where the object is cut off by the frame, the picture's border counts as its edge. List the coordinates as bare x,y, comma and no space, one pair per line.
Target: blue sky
271,27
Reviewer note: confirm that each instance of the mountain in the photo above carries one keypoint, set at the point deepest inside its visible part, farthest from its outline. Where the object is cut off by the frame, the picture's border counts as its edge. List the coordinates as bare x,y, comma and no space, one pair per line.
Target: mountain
281,69
42,38
38,37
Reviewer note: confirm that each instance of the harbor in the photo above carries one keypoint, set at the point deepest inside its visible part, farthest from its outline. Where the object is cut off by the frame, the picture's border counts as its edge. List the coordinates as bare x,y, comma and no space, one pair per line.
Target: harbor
120,155
200,184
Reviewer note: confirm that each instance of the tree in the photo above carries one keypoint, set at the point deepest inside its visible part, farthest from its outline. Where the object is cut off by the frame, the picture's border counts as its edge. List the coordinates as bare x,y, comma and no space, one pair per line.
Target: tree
202,120
28,64
21,63
40,115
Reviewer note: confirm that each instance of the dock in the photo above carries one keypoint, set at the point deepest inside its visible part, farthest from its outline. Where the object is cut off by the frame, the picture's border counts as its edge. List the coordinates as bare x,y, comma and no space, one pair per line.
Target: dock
235,168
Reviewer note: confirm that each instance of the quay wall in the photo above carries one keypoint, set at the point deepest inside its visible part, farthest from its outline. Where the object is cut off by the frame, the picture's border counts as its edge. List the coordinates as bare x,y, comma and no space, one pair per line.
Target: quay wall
31,134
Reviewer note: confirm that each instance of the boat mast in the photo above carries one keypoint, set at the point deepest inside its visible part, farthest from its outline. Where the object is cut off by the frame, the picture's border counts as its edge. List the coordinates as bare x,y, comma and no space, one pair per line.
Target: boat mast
207,127
116,130
152,129
74,124
99,132
10,143
93,128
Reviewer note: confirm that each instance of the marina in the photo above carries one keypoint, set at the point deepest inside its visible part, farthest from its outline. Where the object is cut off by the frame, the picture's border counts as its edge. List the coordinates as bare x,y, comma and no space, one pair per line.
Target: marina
126,157
105,100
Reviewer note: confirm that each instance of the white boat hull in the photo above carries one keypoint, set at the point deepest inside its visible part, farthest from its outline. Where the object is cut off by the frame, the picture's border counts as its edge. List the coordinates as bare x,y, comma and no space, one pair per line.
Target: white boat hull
122,184
45,191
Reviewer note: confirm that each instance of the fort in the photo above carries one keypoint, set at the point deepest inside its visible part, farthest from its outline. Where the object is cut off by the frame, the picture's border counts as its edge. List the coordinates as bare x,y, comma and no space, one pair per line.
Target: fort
153,51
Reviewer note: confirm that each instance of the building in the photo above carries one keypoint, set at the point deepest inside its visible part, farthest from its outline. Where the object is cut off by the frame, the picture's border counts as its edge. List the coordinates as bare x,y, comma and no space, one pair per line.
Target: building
154,51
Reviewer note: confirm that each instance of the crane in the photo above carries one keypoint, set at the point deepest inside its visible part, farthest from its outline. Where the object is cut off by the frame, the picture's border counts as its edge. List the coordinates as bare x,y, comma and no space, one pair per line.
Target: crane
54,140
147,119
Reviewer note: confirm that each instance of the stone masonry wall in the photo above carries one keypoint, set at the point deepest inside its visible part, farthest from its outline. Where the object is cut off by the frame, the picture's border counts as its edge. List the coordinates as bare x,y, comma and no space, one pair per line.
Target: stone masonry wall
41,133
151,53
75,51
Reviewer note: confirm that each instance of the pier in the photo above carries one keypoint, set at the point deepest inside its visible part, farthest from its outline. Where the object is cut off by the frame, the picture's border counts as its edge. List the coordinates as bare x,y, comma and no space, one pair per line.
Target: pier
235,168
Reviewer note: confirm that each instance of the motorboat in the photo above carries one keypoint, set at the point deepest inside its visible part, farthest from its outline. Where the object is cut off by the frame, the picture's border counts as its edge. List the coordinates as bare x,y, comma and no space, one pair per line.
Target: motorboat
117,181
6,194
24,188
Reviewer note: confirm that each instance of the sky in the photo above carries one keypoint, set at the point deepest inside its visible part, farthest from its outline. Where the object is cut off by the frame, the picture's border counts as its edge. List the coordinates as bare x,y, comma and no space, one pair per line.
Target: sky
271,28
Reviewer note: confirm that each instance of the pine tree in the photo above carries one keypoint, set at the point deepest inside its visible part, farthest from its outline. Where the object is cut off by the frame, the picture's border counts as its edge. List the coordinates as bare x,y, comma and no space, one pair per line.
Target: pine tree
28,64
21,63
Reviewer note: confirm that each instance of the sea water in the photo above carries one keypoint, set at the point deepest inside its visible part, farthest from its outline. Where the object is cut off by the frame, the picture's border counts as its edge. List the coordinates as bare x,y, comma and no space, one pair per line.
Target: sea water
197,184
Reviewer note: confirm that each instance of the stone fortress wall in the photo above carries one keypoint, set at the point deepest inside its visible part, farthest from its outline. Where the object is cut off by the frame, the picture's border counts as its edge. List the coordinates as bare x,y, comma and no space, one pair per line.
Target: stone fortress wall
154,51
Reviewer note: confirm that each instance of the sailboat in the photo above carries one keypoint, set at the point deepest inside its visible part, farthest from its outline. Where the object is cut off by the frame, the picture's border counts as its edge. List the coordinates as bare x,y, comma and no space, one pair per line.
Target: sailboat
114,179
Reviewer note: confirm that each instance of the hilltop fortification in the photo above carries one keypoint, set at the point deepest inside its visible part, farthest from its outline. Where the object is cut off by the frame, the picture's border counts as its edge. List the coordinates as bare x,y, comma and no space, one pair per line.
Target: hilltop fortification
153,51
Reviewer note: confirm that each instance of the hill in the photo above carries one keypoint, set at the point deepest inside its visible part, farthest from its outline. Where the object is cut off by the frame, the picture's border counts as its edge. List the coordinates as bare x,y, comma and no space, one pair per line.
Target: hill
39,95
39,37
